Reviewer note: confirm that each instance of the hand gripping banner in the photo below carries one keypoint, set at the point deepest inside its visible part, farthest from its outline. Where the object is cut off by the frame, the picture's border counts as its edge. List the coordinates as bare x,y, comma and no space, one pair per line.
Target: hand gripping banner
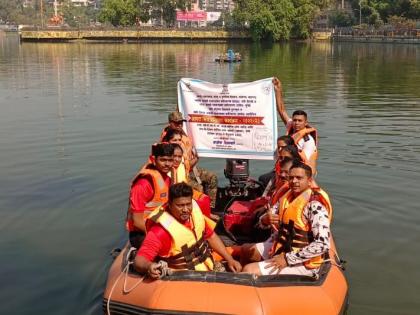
237,120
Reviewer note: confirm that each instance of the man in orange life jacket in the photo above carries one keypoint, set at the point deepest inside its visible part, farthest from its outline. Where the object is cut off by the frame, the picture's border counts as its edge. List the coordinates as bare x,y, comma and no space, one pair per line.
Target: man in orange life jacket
181,235
271,216
282,142
303,237
149,189
305,136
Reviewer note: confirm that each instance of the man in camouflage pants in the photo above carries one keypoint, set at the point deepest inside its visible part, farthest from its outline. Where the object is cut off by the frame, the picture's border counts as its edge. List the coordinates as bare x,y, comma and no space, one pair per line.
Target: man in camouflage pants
208,183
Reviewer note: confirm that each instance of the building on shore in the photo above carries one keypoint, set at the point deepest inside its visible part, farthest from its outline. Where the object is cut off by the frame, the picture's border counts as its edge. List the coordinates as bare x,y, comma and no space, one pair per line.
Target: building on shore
216,5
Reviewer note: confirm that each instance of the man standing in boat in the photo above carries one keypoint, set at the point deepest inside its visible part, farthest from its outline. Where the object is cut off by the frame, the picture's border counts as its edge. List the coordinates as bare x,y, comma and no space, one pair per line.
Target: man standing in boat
304,136
303,238
149,189
200,178
181,235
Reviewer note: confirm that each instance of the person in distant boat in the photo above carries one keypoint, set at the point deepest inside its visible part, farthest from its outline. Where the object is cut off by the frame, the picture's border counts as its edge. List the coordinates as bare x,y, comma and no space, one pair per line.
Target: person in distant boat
304,136
179,234
149,189
282,142
303,239
201,179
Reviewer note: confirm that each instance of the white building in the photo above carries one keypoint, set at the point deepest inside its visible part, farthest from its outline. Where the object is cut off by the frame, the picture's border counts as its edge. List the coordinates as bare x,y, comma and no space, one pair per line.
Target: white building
217,5
82,3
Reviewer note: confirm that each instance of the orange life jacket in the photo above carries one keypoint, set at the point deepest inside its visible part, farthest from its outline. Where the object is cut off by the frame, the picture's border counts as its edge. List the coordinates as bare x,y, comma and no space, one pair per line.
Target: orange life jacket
277,170
187,147
180,174
160,188
278,193
189,249
297,136
294,232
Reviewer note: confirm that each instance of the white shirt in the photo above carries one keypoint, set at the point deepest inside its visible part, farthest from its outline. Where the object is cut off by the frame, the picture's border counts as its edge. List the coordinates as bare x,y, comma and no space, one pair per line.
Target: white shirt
308,147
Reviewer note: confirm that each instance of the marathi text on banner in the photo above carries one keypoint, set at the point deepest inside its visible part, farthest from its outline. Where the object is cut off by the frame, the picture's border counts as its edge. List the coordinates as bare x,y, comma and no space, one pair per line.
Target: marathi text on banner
235,120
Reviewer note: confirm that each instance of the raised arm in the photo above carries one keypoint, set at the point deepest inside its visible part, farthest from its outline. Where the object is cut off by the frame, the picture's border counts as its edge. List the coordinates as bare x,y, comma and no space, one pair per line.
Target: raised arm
278,90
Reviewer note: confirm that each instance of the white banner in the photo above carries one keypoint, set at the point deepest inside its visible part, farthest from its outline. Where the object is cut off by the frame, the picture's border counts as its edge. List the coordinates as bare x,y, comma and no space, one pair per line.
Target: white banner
237,120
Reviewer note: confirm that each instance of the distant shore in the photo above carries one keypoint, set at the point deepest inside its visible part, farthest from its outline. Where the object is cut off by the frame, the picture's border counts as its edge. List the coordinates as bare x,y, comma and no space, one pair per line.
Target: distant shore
397,36
202,35
56,35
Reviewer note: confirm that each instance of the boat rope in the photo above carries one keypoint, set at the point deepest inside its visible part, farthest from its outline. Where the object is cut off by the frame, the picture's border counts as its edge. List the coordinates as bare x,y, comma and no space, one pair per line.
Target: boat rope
163,266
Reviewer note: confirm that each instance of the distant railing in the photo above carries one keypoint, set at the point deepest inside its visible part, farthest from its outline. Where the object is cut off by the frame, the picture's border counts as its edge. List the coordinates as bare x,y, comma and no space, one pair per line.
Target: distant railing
136,28
387,31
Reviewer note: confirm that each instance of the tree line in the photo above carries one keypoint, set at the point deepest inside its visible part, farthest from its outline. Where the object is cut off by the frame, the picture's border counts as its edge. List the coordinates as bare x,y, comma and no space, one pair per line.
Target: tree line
265,19
400,13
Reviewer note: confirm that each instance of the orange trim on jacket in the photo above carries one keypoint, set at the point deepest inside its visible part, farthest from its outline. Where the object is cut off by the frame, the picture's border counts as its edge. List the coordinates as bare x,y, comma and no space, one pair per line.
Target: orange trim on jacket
180,174
188,250
160,196
187,147
297,136
294,231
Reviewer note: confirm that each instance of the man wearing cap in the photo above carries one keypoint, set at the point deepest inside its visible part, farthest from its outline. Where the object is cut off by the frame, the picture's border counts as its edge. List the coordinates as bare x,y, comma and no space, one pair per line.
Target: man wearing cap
200,178
175,121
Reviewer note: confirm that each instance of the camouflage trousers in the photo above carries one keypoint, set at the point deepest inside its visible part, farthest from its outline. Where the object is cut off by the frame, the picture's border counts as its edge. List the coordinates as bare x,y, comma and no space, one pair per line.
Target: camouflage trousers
208,184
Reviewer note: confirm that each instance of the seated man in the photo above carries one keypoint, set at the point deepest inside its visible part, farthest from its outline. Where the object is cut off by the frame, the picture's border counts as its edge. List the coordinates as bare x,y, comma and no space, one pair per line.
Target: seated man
282,142
178,175
303,237
181,235
271,217
149,189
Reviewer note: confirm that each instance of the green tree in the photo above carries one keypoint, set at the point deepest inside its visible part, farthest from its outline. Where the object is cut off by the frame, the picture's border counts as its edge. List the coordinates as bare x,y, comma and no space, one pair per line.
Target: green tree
143,9
119,12
340,18
270,19
169,13
306,11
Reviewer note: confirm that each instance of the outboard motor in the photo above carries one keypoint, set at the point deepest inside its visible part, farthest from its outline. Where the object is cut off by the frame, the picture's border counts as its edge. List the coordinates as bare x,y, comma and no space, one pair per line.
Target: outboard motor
241,186
237,172
241,199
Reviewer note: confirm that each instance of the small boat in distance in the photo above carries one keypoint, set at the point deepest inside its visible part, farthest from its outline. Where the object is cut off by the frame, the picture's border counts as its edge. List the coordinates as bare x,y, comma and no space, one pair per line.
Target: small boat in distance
230,56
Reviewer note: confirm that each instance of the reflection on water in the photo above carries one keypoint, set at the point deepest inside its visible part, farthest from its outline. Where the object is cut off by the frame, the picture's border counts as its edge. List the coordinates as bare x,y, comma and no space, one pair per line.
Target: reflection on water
77,120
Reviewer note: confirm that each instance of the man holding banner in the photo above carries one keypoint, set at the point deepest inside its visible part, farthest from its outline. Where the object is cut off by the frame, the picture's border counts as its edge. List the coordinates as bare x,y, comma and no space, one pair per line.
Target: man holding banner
304,136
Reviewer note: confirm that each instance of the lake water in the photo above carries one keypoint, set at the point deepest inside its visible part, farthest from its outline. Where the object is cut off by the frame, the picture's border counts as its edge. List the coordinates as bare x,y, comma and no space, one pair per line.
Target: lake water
77,120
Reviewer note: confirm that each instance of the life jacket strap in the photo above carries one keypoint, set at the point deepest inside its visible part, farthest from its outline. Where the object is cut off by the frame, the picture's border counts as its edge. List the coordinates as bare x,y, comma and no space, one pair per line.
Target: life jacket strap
190,256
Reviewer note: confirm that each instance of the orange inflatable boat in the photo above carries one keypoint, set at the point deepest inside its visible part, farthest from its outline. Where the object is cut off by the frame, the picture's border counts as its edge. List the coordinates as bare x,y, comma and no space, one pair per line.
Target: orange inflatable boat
196,292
